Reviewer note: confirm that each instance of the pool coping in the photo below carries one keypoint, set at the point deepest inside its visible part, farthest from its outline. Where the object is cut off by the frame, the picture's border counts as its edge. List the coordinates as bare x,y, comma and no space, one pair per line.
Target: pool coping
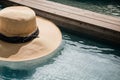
79,20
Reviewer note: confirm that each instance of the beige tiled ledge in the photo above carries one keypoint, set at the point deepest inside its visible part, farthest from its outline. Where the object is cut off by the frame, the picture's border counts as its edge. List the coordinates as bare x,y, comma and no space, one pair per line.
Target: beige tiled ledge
76,19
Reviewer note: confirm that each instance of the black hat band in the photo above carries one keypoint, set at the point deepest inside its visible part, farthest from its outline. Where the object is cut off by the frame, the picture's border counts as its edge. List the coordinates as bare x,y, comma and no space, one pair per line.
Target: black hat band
17,39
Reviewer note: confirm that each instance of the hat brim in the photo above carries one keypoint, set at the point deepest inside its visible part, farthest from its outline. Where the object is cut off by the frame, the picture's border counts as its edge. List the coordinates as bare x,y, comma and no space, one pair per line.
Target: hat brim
48,40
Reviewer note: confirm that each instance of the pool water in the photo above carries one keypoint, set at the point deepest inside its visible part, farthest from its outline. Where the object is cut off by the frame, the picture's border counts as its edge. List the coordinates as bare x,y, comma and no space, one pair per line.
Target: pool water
108,7
80,59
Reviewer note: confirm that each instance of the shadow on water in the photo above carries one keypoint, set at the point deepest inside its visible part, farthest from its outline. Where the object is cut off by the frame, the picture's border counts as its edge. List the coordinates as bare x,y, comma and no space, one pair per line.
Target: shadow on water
9,74
2,6
52,59
92,43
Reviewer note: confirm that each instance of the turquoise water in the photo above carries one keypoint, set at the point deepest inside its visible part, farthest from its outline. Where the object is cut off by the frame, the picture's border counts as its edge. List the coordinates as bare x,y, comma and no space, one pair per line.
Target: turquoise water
80,59
109,7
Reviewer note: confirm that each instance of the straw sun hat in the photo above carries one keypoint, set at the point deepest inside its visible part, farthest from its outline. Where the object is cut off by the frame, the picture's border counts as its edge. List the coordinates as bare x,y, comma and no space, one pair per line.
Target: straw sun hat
26,38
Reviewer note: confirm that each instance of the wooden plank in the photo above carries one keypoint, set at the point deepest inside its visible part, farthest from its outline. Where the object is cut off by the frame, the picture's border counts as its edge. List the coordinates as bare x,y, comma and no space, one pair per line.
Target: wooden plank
74,13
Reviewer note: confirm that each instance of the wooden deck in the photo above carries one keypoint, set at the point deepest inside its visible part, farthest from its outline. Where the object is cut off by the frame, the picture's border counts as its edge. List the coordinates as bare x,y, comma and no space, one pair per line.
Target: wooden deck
76,19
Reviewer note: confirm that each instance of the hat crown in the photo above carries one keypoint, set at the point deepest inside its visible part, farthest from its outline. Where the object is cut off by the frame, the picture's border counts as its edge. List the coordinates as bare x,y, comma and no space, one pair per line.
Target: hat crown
17,21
